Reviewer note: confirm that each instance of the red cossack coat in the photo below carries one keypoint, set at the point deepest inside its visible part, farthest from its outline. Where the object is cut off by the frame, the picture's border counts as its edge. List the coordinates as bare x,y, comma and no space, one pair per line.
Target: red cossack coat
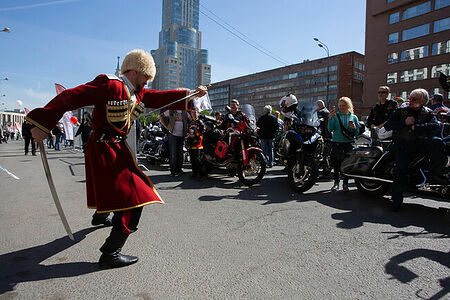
114,182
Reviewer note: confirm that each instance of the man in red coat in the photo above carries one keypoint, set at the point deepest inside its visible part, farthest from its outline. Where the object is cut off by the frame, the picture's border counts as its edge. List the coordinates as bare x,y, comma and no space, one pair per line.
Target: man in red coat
114,182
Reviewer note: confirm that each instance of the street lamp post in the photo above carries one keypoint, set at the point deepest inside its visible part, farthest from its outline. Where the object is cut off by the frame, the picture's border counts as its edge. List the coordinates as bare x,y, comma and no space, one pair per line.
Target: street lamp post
325,47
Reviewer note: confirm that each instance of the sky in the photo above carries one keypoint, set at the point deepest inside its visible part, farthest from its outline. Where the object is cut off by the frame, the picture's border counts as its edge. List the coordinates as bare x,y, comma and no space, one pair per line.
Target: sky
70,42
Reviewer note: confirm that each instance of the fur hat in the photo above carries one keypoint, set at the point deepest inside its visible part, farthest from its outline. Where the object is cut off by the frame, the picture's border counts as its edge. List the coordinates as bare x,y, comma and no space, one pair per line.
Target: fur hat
140,61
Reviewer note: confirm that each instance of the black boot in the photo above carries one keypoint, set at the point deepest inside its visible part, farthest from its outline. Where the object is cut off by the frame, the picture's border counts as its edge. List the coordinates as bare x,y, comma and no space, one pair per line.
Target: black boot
345,185
335,187
101,219
111,256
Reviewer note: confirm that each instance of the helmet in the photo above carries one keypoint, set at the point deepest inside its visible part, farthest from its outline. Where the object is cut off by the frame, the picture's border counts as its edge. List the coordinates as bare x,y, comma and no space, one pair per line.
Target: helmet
288,104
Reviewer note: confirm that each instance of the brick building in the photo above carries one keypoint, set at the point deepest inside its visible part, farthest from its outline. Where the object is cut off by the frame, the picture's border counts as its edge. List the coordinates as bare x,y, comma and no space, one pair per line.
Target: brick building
407,44
307,80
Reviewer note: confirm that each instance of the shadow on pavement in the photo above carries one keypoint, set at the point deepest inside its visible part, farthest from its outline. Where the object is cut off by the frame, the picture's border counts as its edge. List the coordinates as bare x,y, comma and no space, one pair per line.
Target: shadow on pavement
404,275
25,265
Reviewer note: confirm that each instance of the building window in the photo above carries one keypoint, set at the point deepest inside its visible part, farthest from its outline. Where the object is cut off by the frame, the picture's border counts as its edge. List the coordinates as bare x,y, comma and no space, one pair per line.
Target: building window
440,48
417,10
389,1
415,32
413,75
441,4
394,18
393,38
414,53
444,68
391,78
392,58
441,25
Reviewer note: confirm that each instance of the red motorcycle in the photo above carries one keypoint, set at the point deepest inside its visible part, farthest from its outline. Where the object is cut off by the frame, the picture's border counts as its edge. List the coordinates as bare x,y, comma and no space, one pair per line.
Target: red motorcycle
236,148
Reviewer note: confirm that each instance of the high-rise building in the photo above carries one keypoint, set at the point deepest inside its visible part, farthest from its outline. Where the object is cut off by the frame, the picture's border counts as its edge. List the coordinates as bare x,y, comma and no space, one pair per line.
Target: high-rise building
342,75
407,44
180,61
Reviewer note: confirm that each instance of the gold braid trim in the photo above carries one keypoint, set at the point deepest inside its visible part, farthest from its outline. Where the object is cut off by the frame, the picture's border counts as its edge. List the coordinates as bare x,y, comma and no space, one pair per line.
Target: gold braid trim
37,124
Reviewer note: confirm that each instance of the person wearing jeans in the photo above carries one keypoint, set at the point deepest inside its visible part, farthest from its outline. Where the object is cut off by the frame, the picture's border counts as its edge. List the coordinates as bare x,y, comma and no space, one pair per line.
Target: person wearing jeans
268,127
176,122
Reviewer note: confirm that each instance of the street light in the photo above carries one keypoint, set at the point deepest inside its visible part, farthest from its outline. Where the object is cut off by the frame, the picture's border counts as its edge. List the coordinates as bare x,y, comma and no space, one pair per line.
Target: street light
6,29
325,47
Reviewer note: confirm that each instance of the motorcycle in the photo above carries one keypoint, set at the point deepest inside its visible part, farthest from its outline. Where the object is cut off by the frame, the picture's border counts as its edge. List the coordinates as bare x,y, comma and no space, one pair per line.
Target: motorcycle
300,148
235,148
372,168
154,145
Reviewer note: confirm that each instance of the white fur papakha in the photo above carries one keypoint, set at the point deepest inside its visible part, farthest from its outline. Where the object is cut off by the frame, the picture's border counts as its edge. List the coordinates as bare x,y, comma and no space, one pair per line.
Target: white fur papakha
140,61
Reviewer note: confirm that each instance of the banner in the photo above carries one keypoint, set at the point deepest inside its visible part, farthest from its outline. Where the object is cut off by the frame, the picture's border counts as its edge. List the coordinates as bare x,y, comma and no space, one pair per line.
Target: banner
202,103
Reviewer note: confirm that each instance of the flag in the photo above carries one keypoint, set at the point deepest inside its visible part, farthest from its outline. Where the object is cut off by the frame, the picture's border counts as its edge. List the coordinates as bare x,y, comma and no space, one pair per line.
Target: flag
59,88
26,110
203,103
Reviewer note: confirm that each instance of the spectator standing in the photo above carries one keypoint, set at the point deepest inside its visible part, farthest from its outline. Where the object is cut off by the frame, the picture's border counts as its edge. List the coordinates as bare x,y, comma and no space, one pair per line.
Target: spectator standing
176,122
194,142
58,133
382,110
218,117
267,129
84,129
344,126
322,114
26,133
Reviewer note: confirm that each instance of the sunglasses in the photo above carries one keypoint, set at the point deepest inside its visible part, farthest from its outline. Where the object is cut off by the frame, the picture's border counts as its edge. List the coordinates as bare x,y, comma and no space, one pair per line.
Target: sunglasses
382,92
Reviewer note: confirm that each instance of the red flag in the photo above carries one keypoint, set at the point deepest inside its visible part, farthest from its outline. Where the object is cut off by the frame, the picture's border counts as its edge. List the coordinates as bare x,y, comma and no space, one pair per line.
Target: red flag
26,110
59,88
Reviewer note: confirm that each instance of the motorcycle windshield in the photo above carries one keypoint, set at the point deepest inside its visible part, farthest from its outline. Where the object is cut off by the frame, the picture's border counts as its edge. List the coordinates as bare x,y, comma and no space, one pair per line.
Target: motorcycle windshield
249,112
307,114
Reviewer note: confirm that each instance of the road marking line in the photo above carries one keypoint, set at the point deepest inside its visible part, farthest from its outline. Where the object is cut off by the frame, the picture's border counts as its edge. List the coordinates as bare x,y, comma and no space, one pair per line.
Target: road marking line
9,173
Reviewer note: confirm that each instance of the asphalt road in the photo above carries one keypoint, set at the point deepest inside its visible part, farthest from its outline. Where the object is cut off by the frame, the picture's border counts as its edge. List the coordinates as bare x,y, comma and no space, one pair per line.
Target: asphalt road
217,239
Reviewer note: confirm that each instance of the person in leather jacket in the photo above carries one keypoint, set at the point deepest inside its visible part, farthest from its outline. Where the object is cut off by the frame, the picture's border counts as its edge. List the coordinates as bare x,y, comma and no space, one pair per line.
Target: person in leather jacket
415,130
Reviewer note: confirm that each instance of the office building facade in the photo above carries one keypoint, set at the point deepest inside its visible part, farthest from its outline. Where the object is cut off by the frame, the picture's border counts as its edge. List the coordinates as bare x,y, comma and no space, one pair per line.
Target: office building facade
179,60
342,74
407,45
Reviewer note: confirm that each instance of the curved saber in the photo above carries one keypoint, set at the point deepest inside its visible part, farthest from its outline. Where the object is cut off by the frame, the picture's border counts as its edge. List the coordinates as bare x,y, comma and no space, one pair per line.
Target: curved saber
53,190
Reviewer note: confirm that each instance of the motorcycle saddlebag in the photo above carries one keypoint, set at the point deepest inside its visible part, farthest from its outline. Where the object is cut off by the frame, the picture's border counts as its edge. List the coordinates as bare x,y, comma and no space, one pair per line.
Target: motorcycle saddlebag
361,160
221,149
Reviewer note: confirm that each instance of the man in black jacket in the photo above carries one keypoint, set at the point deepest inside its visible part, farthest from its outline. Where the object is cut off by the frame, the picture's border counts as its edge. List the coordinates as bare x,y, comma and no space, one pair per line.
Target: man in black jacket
26,133
414,131
268,127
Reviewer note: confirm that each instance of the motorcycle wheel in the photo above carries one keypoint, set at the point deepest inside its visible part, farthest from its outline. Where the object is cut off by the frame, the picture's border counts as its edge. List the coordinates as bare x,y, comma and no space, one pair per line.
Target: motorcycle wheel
371,188
302,178
254,171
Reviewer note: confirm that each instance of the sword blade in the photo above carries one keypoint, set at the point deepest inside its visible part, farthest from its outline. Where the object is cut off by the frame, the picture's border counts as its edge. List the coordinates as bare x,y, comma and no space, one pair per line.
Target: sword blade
53,191
167,105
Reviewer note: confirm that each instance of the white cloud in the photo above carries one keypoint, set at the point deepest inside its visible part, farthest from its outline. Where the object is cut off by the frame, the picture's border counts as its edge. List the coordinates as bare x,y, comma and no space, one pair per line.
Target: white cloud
37,5
39,95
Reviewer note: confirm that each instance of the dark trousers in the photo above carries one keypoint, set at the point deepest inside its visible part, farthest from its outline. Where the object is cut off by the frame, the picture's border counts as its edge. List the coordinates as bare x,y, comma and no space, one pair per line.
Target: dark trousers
176,153
194,154
27,144
405,151
124,223
337,156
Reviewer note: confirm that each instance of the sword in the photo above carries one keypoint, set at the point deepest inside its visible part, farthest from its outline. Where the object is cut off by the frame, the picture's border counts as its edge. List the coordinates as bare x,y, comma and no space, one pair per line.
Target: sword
53,190
171,103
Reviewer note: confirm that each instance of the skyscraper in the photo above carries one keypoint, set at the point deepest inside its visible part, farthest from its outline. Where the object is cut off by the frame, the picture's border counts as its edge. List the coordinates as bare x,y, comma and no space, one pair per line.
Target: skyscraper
179,60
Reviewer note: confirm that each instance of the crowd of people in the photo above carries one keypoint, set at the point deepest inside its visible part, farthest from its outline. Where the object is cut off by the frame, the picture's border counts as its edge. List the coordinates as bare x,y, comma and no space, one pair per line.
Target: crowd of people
415,130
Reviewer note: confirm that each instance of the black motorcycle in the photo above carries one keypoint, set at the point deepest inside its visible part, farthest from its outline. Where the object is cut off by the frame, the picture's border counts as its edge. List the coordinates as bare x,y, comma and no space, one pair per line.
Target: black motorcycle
154,145
372,167
300,147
